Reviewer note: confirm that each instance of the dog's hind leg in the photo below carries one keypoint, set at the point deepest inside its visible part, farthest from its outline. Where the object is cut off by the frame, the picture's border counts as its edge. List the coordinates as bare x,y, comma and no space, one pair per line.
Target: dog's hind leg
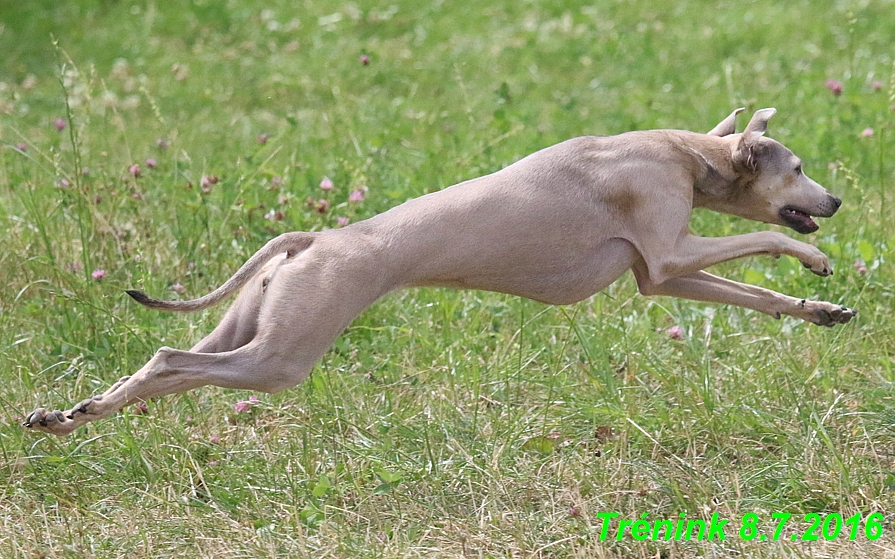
171,371
240,323
309,302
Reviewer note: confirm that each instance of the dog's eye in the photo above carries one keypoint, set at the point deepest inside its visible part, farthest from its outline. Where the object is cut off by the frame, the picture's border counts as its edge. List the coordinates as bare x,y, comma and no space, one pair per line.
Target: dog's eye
798,169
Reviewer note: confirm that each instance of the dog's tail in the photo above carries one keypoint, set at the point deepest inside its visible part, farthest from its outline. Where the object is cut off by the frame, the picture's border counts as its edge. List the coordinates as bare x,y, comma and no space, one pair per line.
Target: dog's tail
290,243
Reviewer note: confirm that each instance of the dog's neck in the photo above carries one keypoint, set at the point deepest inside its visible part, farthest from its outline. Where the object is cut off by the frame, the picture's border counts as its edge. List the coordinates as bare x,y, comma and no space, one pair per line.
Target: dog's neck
715,180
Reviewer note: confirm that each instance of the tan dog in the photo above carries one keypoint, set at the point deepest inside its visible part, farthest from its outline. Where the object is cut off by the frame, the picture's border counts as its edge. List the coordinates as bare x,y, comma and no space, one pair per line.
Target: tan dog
557,227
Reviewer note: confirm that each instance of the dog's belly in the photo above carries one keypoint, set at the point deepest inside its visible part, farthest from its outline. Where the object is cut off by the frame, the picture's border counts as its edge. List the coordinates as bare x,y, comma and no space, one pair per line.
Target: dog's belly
549,278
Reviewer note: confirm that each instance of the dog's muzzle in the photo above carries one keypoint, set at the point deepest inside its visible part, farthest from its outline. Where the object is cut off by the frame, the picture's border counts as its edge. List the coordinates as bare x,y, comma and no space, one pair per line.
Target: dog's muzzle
800,220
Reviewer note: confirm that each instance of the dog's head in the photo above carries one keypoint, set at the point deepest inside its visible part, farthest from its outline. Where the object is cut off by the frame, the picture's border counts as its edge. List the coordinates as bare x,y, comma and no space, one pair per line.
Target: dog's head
771,186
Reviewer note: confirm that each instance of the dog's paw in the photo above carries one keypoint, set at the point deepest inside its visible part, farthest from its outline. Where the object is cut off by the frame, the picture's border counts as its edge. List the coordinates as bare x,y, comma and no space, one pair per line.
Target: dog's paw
827,314
54,422
812,258
842,315
62,423
819,266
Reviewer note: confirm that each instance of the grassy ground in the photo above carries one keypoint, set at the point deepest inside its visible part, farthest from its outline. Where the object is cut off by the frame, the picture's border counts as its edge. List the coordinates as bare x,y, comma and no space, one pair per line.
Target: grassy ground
442,424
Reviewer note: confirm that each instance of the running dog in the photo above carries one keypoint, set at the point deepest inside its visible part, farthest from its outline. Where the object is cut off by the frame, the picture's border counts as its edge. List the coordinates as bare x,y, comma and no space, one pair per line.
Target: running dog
556,226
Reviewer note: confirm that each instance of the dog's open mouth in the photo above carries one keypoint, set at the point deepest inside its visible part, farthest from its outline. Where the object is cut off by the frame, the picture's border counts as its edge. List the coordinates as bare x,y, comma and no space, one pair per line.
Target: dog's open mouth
799,220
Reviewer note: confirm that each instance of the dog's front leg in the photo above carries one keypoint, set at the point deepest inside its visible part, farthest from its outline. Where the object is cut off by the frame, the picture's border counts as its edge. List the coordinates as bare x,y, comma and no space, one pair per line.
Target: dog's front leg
667,260
703,286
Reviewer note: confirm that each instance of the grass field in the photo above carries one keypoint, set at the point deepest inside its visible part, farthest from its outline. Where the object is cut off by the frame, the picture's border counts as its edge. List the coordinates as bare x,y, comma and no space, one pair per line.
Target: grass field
157,145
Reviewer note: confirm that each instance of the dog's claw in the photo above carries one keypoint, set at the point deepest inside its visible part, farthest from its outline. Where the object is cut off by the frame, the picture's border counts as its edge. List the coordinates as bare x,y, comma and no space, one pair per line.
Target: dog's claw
34,417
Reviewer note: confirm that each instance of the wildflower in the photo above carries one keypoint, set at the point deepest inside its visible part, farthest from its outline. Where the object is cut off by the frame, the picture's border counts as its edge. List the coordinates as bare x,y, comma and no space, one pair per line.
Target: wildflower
209,180
876,85
675,333
274,215
214,439
98,274
574,511
241,406
162,144
322,206
326,184
365,59
254,400
835,87
63,183
140,408
151,163
59,123
178,288
342,221
21,147
262,138
134,170
276,181
860,267
357,196
867,132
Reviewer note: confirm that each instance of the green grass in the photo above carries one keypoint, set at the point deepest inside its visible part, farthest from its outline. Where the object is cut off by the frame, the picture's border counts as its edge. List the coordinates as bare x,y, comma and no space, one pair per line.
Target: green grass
442,423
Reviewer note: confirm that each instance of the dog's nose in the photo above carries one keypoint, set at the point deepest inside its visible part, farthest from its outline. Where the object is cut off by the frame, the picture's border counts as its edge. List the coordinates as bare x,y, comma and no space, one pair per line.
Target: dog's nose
837,202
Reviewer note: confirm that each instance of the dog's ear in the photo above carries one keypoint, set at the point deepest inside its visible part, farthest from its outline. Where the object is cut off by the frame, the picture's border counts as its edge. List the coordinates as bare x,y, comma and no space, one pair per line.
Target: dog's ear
727,126
744,157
